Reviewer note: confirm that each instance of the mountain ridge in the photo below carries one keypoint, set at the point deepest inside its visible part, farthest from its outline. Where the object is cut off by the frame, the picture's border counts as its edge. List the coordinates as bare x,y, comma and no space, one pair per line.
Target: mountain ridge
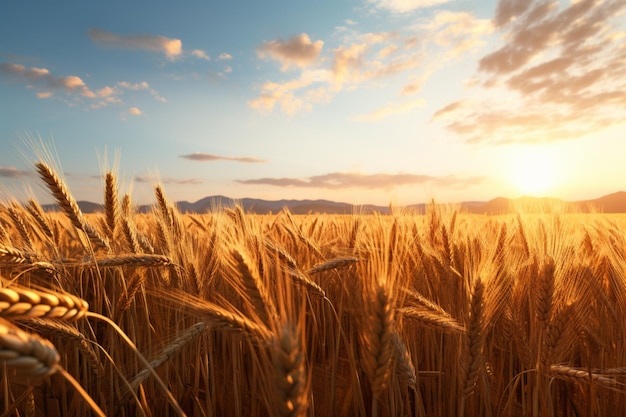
610,203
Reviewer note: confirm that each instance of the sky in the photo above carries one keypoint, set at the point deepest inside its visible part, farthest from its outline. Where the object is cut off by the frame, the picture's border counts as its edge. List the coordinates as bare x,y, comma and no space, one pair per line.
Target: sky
358,101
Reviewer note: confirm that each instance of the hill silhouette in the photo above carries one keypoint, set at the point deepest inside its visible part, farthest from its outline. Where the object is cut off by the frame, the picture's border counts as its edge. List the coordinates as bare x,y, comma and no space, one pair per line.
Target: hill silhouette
611,203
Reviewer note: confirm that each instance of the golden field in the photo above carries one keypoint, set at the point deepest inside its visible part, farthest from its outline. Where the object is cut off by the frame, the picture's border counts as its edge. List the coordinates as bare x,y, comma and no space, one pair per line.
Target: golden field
235,314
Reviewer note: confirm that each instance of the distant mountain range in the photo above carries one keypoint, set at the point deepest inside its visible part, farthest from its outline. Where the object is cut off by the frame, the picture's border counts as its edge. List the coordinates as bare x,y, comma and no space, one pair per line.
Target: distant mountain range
612,203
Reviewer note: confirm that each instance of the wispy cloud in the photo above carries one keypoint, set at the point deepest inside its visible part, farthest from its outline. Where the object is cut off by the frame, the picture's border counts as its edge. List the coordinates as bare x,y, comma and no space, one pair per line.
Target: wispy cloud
166,180
284,95
457,32
348,67
297,51
370,59
142,86
208,157
172,48
12,172
224,56
351,66
391,109
342,180
200,54
563,64
71,84
403,6
48,84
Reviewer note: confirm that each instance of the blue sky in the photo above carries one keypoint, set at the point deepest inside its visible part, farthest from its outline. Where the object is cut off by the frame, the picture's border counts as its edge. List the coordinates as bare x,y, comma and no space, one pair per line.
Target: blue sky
362,101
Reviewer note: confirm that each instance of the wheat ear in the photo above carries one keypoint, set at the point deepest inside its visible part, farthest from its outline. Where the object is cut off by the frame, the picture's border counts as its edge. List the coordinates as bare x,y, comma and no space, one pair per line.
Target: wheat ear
545,290
216,315
64,330
17,215
403,363
68,204
168,352
26,353
290,374
144,260
11,255
111,204
473,346
255,289
282,253
577,375
22,303
337,263
35,209
378,339
432,319
304,281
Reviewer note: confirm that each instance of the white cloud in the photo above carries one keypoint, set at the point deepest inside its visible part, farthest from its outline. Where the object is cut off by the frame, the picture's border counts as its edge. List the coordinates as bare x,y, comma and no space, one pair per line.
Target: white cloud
224,56
135,111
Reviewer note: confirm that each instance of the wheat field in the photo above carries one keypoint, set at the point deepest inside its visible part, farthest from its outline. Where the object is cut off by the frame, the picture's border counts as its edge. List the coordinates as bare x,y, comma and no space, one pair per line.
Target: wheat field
234,314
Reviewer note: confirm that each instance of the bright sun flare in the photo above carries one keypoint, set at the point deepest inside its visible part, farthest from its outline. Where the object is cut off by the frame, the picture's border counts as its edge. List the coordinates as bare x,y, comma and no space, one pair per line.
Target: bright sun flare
534,171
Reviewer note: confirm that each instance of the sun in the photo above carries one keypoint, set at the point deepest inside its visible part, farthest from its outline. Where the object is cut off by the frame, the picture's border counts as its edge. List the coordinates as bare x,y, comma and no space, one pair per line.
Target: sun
534,170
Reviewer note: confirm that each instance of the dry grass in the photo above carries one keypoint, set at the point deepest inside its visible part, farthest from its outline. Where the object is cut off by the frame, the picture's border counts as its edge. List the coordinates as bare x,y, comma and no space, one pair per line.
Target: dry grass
230,313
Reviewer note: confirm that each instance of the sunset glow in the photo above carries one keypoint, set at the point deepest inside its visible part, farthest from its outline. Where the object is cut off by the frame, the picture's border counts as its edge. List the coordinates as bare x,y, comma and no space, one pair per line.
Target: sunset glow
368,101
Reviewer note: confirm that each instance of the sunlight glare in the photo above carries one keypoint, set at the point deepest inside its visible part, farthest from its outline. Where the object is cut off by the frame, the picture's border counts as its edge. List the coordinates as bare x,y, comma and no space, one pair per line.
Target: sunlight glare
535,170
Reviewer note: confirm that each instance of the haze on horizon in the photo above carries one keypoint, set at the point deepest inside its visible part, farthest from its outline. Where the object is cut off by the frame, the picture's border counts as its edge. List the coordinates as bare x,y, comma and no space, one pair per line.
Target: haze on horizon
361,101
